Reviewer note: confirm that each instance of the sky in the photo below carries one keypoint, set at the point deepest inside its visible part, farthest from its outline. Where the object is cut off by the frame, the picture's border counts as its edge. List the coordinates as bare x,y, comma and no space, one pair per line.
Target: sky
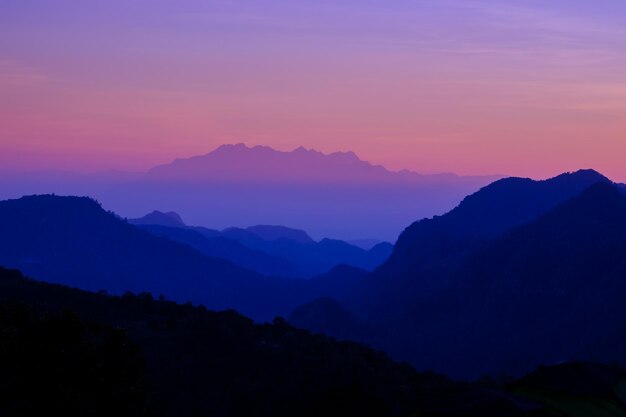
529,88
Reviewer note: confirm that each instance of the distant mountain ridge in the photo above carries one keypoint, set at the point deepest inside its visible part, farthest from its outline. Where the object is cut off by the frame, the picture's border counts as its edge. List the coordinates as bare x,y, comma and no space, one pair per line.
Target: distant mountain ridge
239,162
270,250
336,194
271,233
73,241
534,270
170,219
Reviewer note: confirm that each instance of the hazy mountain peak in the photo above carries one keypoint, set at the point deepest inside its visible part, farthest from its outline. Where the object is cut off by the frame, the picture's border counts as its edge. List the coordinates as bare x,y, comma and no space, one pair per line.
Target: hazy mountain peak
348,156
231,146
170,219
262,164
270,233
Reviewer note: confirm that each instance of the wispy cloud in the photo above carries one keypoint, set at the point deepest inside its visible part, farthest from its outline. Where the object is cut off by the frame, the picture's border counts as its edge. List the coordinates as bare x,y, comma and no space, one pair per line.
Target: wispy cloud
15,73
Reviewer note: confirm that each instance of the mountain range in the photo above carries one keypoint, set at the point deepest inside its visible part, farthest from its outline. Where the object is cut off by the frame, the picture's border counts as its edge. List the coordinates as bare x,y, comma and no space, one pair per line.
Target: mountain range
79,353
270,250
262,164
73,241
330,195
521,273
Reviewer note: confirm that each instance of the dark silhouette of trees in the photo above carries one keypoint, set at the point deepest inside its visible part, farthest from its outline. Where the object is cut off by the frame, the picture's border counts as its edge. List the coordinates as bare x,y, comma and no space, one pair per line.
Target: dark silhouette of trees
58,364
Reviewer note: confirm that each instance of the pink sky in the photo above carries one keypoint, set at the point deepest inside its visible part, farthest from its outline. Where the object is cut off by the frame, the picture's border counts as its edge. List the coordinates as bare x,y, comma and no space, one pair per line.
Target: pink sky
527,88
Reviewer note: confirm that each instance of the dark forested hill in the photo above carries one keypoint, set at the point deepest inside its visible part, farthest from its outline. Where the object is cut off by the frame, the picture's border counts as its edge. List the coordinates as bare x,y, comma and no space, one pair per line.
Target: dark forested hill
270,250
69,352
225,248
548,291
545,292
521,273
73,241
429,250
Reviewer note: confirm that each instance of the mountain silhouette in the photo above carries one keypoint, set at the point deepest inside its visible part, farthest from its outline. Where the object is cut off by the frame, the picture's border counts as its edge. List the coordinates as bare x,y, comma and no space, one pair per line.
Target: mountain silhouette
337,284
494,209
325,315
238,184
270,250
170,219
239,162
569,386
548,291
73,241
197,362
334,195
313,258
366,244
428,250
280,232
168,359
229,249
545,292
521,273
265,232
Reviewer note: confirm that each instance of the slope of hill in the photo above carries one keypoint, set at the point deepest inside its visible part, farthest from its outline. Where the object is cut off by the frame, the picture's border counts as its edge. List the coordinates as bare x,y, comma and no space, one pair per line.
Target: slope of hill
73,241
429,250
165,359
325,315
270,233
326,195
237,184
205,363
195,362
579,389
488,213
229,249
551,290
521,273
270,250
58,364
169,219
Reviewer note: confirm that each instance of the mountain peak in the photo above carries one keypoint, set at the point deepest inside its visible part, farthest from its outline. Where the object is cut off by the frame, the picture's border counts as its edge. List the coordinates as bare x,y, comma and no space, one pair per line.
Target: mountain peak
230,147
271,233
348,156
586,176
242,163
58,203
170,219
494,209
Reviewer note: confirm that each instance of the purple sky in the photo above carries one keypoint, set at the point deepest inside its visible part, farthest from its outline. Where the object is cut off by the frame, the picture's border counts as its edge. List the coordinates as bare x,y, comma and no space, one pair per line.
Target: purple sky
518,87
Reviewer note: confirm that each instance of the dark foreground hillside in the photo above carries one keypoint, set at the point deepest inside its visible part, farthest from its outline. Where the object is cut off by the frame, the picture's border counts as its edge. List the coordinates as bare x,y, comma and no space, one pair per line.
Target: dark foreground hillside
133,355
197,362
522,273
